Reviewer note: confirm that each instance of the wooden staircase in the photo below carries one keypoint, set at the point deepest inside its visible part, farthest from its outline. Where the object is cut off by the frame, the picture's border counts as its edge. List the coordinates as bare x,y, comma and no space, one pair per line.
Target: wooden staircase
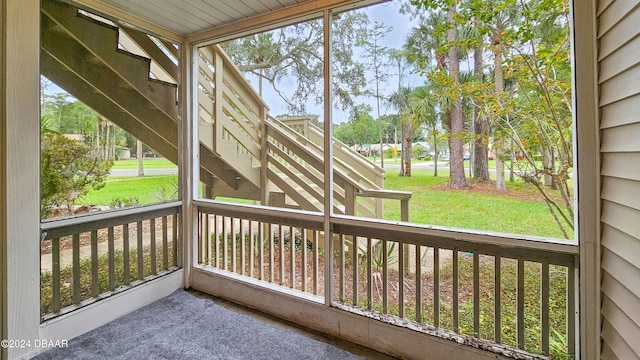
130,78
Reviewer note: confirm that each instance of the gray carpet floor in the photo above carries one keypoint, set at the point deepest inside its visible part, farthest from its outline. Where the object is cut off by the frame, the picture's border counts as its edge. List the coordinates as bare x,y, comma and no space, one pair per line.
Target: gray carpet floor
184,326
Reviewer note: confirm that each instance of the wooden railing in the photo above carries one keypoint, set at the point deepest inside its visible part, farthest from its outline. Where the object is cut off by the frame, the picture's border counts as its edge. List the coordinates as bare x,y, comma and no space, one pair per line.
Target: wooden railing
280,247
496,292
90,257
495,289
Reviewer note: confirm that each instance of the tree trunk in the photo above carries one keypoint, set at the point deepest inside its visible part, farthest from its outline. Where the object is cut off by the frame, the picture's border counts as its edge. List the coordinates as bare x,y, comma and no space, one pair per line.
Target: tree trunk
139,157
407,145
435,151
481,129
499,87
106,144
512,159
548,167
457,177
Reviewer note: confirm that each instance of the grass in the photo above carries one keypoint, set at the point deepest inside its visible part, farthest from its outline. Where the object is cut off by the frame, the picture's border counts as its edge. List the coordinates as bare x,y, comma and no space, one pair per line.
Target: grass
460,209
468,209
147,163
147,189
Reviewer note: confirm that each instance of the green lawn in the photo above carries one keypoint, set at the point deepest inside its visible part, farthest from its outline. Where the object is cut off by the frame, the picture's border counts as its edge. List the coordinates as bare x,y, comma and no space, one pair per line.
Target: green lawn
469,209
147,189
148,163
461,208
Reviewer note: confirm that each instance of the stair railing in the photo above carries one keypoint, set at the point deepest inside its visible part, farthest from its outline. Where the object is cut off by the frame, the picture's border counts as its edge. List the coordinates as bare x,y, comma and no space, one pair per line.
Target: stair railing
234,122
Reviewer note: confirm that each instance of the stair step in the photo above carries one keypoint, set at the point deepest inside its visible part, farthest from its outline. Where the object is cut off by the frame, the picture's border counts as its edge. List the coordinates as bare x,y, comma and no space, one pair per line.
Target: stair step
102,40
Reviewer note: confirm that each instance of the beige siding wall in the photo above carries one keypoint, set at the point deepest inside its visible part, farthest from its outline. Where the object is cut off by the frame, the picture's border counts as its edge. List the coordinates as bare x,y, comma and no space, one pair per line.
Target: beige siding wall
619,79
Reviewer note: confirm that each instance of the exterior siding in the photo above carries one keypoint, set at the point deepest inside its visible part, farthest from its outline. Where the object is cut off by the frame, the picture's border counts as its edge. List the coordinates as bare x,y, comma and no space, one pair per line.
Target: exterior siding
619,80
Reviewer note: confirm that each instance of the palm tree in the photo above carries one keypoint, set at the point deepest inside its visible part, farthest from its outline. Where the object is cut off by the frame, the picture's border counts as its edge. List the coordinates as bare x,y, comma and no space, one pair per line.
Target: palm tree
426,107
425,43
399,100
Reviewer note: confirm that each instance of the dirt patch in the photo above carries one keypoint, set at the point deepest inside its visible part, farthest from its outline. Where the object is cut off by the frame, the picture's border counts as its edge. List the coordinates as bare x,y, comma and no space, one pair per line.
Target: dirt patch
489,188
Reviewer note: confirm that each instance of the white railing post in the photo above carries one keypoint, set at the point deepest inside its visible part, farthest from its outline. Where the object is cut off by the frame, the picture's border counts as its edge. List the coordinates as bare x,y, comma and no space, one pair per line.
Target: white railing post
328,159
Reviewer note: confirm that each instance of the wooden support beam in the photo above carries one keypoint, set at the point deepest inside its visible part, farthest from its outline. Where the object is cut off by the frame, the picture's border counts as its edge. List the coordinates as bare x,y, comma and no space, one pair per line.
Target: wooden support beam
19,165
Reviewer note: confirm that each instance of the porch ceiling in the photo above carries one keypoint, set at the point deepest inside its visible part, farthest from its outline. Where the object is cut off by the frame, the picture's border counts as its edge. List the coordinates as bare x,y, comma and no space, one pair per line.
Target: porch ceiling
186,18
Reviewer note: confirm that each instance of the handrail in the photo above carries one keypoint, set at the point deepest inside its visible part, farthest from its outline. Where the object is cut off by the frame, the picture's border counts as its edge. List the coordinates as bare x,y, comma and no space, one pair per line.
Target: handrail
403,196
300,218
356,180
373,167
236,73
315,135
519,246
55,228
363,186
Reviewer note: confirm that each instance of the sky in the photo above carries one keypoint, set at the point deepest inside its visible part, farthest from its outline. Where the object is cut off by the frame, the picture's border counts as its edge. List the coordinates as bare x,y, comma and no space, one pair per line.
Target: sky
387,13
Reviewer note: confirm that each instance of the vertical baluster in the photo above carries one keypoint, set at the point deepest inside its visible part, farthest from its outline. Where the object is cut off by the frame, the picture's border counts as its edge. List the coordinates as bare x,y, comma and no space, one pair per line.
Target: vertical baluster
456,291
125,254
201,255
261,228
165,244
252,252
385,278
545,308
418,285
76,268
305,253
369,275
55,274
95,276
140,251
292,257
154,267
316,262
281,253
112,261
225,242
234,246
206,238
341,266
401,254
436,287
176,242
243,249
476,295
571,310
497,298
354,262
520,304
216,240
271,254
